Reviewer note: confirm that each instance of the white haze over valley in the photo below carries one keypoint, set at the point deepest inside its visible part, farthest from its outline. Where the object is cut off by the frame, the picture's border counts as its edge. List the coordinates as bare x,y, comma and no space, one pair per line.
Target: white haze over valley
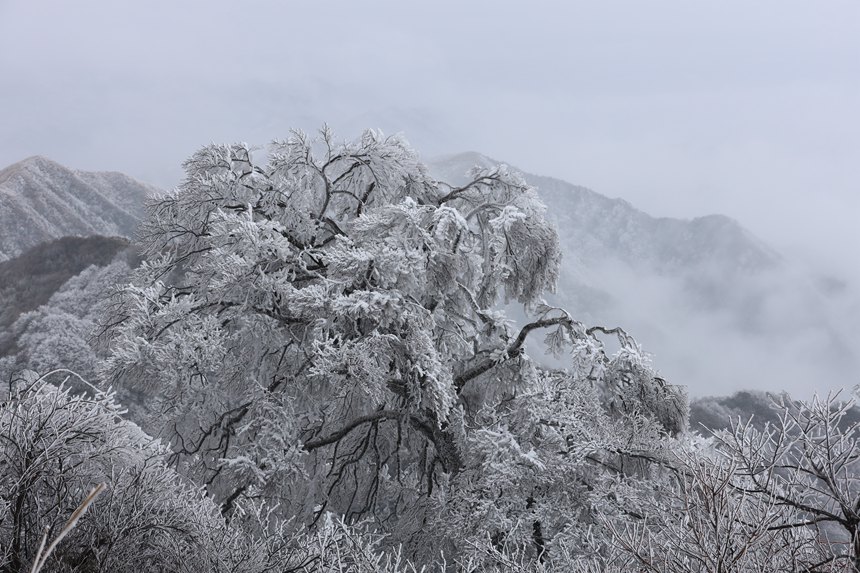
682,110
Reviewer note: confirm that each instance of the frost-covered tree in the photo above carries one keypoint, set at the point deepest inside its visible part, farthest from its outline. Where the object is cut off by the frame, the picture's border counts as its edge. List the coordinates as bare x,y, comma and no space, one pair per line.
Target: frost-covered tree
705,519
55,446
778,497
809,464
323,332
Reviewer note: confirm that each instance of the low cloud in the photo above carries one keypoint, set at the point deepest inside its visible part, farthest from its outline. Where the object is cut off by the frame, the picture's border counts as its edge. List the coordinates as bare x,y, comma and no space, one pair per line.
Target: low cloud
777,330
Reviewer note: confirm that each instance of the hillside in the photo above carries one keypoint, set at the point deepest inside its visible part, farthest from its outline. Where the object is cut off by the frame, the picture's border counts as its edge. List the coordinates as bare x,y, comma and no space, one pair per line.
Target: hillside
41,200
30,279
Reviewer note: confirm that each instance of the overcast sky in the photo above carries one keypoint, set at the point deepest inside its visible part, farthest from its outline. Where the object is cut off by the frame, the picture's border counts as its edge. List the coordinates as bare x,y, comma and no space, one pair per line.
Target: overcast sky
683,108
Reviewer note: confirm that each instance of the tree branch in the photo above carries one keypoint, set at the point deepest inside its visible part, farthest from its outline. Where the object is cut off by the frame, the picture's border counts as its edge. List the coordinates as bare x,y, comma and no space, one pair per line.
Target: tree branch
513,350
340,434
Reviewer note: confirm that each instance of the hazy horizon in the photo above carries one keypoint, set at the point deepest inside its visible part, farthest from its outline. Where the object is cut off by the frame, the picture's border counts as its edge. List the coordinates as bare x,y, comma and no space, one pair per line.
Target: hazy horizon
683,110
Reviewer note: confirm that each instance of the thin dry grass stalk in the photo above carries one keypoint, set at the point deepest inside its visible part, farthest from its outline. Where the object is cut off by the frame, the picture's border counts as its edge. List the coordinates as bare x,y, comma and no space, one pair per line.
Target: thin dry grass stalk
42,557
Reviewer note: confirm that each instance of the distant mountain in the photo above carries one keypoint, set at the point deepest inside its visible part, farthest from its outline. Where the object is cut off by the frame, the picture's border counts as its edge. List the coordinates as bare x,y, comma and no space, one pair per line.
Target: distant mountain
707,255
602,227
721,412
41,200
720,309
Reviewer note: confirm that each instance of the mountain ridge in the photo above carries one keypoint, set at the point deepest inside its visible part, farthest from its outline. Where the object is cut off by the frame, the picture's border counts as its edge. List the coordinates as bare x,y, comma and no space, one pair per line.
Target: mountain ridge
43,200
665,242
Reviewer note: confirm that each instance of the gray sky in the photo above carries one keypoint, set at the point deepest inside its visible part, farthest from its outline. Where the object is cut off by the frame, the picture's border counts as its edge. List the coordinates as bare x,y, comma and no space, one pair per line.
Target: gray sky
681,107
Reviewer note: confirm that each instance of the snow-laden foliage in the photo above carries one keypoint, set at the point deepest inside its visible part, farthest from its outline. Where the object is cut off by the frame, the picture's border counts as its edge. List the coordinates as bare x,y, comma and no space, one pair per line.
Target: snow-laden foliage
62,332
706,519
782,497
56,445
807,463
541,463
323,333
